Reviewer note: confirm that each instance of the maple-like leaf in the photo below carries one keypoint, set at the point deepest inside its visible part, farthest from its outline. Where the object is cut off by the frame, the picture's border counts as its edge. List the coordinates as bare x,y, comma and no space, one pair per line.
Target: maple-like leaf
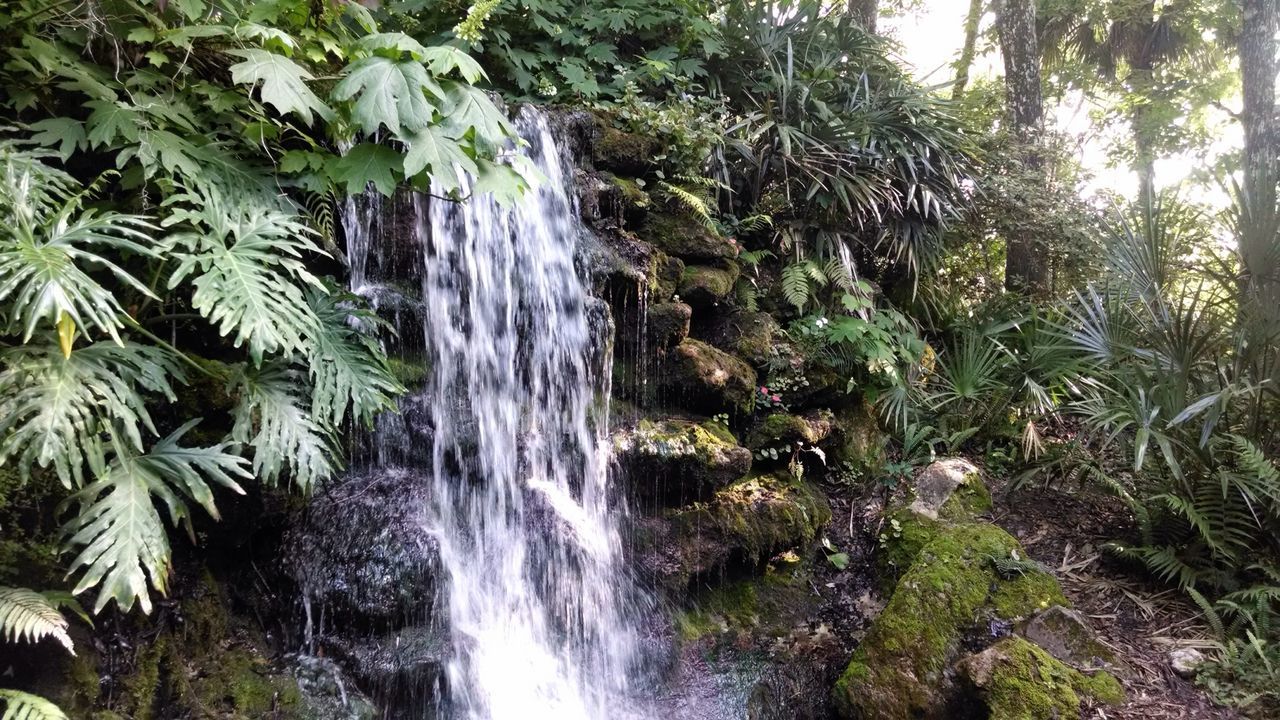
284,85
389,92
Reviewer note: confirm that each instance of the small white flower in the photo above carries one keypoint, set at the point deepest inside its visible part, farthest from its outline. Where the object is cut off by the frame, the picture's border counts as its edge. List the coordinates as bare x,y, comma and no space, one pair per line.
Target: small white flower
823,322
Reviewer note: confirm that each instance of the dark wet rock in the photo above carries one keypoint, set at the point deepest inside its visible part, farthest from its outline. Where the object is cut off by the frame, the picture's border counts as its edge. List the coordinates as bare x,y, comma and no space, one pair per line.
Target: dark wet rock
676,461
752,335
741,526
1017,680
327,693
857,442
402,671
622,152
687,238
705,286
668,324
361,555
1067,636
706,379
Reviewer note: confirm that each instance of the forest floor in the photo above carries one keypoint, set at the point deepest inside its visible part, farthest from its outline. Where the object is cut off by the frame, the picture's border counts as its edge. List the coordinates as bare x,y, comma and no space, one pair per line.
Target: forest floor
1139,619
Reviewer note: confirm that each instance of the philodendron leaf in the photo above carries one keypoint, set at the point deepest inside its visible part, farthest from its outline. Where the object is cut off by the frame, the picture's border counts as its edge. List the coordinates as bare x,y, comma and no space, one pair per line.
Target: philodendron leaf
284,83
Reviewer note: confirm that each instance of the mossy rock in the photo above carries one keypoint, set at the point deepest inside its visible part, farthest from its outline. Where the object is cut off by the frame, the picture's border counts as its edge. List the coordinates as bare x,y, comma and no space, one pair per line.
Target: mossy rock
664,273
410,373
675,461
949,489
778,429
741,612
1018,680
686,237
623,152
668,324
706,379
704,286
241,684
741,526
857,440
900,671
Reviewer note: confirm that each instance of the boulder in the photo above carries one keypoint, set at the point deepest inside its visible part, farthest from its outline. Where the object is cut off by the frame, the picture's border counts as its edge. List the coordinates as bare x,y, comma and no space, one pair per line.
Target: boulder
752,335
741,526
1017,680
902,669
1186,662
704,286
677,461
782,429
937,485
857,441
1066,635
668,324
623,152
706,379
685,237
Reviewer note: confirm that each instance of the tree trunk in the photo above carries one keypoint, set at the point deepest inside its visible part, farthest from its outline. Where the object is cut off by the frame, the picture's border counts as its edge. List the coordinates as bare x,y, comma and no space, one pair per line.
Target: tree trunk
1259,246
865,13
1026,268
965,62
1144,163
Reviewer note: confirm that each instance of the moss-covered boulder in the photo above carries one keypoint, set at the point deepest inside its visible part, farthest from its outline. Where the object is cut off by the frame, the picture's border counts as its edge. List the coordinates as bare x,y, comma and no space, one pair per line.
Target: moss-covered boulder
706,379
742,525
1067,636
686,237
667,324
665,273
743,612
704,286
751,335
625,153
902,669
857,441
783,429
1018,680
950,487
677,461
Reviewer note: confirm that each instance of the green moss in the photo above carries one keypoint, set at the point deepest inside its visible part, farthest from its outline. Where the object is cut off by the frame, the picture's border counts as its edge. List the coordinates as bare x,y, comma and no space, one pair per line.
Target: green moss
628,153
859,440
708,379
1020,681
239,683
409,373
781,428
900,667
143,684
705,285
629,190
970,499
760,515
1027,594
684,236
664,275
755,607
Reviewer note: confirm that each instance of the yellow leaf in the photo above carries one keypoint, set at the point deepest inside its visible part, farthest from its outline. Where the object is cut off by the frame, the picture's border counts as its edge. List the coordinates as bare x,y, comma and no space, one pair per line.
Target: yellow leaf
66,333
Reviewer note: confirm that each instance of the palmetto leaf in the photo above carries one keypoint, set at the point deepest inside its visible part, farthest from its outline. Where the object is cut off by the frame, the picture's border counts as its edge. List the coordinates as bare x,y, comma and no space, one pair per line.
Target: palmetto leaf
118,530
52,407
28,615
345,364
25,706
248,274
45,248
273,419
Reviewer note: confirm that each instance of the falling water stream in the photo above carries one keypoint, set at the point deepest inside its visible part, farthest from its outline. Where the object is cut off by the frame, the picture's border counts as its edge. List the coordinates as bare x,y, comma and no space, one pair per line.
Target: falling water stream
543,621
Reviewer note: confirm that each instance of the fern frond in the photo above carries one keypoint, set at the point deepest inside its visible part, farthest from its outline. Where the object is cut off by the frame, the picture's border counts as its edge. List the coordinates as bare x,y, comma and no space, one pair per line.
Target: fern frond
747,295
25,706
28,615
699,206
795,285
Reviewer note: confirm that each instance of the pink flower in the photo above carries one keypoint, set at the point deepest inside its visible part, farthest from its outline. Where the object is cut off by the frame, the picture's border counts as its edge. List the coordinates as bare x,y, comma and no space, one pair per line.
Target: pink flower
775,398
764,390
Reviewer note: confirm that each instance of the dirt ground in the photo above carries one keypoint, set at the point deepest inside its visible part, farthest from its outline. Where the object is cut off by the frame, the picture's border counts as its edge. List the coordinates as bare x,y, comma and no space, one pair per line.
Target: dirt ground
1139,620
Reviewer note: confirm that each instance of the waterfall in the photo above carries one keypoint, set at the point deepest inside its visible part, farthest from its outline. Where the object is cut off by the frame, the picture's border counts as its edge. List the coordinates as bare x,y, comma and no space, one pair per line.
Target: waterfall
542,619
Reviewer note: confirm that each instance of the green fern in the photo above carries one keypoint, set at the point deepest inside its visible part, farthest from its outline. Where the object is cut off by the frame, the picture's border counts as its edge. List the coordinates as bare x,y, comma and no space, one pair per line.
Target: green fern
117,529
699,206
795,285
25,706
28,615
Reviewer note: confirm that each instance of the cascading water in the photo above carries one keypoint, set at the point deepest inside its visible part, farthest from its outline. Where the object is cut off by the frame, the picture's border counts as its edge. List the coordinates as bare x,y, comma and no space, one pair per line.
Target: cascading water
543,620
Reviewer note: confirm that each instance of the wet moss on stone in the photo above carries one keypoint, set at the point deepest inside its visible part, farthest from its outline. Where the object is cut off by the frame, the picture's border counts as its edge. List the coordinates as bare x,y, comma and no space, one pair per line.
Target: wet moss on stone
703,286
706,379
684,236
1018,680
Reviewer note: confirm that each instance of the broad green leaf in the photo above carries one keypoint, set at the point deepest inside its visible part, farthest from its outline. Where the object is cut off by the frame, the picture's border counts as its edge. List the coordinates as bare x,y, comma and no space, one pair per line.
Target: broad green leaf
345,364
121,539
53,407
284,85
393,45
433,149
471,108
444,59
111,120
273,419
247,274
66,133
391,93
368,163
